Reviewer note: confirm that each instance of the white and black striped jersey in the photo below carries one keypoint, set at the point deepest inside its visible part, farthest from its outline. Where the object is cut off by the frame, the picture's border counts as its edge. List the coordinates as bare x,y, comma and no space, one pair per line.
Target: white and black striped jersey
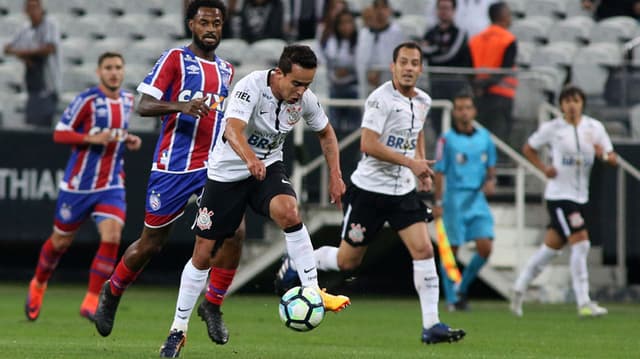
399,120
268,119
573,154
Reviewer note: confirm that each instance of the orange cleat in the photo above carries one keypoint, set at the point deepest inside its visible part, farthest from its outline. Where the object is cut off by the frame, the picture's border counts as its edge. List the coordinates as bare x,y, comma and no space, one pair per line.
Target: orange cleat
34,299
334,303
89,305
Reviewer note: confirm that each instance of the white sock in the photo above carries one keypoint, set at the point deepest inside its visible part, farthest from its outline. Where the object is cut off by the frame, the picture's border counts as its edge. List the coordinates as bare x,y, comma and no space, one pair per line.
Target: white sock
425,279
327,258
300,251
192,283
579,273
536,264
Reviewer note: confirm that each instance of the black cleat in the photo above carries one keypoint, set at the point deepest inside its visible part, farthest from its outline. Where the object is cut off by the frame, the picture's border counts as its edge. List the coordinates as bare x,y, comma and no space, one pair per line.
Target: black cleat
171,347
441,333
286,277
106,311
462,305
212,316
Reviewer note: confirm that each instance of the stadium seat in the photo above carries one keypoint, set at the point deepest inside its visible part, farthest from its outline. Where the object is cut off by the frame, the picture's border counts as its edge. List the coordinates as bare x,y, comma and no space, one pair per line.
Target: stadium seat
111,44
11,24
265,52
634,121
614,29
74,51
11,77
128,26
358,5
168,27
244,70
529,96
88,27
576,29
532,28
133,75
554,54
574,8
146,7
78,78
233,50
551,8
10,7
320,84
409,7
525,51
145,52
413,25
592,64
550,79
517,7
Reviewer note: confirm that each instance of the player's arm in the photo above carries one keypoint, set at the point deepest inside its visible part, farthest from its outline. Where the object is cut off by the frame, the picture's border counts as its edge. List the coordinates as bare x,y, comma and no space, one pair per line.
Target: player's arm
370,144
71,128
489,186
151,107
532,155
437,195
329,145
234,135
425,184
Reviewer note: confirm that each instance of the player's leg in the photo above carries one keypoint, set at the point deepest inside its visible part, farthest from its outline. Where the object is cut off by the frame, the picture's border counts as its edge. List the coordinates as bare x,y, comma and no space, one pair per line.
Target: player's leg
452,218
103,263
109,215
580,245
425,279
551,248
167,195
447,283
71,211
276,198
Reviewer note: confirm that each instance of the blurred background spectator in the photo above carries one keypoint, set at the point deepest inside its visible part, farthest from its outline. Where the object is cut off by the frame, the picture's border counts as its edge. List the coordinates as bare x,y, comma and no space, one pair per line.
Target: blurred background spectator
305,17
603,9
373,55
262,19
37,46
338,50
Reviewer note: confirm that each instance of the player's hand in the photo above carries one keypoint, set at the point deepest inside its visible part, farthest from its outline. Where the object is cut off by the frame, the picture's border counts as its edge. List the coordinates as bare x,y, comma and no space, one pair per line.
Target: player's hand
422,168
101,138
257,169
489,187
425,184
336,189
133,142
550,172
196,107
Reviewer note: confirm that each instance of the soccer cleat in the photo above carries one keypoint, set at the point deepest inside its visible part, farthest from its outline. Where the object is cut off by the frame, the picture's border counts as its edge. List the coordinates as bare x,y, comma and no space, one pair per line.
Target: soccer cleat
106,310
175,341
591,309
34,299
286,277
89,305
212,316
516,303
334,303
440,333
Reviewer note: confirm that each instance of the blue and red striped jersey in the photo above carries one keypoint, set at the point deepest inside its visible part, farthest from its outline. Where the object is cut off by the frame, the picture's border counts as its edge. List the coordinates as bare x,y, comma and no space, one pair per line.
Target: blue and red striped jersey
180,76
96,167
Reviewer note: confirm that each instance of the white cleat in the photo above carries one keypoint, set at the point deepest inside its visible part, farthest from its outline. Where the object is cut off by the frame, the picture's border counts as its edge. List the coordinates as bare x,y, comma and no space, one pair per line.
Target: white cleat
591,309
516,303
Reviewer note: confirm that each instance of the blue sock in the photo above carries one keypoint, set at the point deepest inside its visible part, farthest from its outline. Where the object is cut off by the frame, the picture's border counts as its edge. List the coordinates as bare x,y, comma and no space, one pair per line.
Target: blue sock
447,283
471,272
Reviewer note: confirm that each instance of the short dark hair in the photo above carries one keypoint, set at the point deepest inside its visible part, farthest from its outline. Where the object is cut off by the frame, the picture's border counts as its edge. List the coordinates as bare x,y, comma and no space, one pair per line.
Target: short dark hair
453,2
194,5
464,94
108,55
407,45
571,91
496,10
297,54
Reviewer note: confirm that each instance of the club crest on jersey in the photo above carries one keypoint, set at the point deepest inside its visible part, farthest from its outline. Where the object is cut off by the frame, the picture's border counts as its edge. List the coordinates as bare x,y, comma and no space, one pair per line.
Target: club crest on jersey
65,211
154,201
461,158
576,220
484,158
204,219
294,112
356,233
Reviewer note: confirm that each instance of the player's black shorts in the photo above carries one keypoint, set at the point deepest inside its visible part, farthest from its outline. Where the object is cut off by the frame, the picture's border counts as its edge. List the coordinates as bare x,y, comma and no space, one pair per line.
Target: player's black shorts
567,217
224,203
366,212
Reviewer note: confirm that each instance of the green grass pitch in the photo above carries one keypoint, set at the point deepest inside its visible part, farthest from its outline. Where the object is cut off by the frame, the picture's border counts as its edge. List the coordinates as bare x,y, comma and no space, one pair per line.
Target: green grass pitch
371,328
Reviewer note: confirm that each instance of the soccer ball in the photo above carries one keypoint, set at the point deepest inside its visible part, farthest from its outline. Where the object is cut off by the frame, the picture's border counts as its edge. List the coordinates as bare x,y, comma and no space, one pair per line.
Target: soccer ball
301,308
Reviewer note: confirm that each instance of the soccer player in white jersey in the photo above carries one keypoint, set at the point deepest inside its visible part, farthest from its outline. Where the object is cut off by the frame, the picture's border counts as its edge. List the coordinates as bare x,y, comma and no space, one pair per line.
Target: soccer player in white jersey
384,189
246,168
576,142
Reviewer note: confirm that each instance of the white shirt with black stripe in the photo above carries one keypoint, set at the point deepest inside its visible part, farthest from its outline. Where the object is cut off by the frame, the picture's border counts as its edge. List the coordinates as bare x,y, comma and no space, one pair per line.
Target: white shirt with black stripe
268,119
572,155
399,120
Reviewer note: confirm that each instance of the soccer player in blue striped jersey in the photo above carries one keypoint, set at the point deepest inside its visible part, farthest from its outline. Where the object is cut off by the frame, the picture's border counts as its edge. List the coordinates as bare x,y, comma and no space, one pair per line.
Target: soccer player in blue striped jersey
465,173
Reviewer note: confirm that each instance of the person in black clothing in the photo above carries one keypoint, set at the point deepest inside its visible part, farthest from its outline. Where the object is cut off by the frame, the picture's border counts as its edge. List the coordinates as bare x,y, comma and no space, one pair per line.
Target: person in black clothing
262,19
610,8
445,44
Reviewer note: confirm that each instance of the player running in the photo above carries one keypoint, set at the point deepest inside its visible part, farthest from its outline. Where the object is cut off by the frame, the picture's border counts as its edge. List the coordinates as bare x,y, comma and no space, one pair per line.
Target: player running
466,161
384,190
95,125
246,169
186,88
576,141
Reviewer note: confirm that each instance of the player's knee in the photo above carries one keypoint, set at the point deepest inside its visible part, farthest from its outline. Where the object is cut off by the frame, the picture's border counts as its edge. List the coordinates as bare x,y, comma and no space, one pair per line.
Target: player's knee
239,235
287,218
152,241
112,237
60,241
